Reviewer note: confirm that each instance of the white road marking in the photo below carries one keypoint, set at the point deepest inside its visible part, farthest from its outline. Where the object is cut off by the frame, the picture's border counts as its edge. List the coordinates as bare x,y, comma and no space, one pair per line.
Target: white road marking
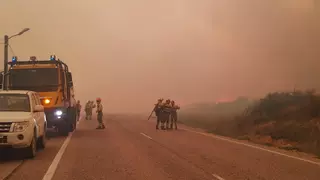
53,167
146,136
217,177
252,146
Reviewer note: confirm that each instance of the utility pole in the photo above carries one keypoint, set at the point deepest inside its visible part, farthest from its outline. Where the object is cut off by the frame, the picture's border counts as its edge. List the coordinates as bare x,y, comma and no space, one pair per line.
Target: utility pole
5,62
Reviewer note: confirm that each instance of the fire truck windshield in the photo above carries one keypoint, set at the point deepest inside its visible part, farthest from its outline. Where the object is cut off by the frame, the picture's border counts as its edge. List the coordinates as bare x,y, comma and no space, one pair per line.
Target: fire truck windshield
37,79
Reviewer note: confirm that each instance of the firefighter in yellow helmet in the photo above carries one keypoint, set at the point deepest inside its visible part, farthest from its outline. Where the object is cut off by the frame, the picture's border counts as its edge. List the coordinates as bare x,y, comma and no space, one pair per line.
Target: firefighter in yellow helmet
100,114
174,115
166,114
158,110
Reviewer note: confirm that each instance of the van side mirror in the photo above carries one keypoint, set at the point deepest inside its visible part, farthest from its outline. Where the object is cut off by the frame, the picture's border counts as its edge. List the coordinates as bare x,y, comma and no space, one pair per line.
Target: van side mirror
38,108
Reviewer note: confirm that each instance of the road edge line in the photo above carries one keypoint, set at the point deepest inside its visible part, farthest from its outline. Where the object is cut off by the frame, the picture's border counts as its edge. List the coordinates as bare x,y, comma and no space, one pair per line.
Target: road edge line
252,146
146,136
217,177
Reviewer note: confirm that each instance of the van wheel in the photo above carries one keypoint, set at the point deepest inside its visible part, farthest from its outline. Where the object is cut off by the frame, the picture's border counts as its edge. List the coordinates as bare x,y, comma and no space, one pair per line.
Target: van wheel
32,149
43,140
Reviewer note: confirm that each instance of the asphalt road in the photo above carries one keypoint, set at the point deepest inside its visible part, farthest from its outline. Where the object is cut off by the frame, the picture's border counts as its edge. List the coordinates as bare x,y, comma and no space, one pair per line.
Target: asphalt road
131,148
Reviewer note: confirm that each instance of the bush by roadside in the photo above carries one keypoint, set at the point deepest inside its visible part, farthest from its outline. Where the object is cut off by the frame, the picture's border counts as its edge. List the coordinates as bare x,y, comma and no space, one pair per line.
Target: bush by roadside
288,120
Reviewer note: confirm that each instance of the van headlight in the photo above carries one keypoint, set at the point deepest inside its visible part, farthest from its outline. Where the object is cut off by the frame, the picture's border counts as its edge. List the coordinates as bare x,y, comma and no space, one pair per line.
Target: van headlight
58,113
20,126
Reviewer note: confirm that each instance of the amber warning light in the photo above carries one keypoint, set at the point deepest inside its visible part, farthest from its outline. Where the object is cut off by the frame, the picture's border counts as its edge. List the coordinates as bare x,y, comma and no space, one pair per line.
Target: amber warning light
46,101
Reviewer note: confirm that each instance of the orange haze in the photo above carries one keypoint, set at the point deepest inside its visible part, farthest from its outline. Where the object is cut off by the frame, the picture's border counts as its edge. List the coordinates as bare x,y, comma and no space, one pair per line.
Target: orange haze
130,53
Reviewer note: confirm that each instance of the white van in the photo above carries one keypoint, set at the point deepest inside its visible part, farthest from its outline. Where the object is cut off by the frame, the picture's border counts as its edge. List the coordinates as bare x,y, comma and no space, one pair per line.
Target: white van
23,122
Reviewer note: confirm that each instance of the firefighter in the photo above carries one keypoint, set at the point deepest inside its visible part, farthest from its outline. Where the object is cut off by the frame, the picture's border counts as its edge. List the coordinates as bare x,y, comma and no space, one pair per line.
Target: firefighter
166,114
174,115
99,114
87,110
157,109
92,106
78,106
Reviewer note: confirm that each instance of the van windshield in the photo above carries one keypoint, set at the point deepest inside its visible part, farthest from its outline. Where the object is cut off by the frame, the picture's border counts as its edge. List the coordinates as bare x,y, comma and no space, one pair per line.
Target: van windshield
36,79
14,102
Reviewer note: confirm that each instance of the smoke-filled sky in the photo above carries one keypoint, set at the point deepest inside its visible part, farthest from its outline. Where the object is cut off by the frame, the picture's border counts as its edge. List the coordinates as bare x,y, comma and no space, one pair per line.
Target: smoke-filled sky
130,53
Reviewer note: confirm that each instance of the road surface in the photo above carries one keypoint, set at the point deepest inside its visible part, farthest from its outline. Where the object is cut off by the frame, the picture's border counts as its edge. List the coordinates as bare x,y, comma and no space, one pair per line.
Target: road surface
131,148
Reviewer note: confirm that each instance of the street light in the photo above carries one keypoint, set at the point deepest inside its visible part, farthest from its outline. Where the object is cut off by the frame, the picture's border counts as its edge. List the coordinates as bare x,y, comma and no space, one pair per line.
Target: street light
5,62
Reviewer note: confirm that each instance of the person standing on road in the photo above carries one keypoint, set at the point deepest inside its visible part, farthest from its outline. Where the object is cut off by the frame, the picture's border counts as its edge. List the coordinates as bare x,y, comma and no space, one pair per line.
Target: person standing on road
166,114
174,115
78,106
99,114
87,110
157,109
92,106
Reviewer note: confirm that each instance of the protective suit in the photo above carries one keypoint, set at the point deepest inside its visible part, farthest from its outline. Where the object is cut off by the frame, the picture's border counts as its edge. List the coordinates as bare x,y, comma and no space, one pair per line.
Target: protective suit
166,111
174,115
78,106
100,114
87,110
157,110
91,105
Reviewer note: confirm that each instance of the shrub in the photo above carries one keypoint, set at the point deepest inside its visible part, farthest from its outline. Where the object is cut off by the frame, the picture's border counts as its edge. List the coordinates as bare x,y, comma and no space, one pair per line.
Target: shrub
292,116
